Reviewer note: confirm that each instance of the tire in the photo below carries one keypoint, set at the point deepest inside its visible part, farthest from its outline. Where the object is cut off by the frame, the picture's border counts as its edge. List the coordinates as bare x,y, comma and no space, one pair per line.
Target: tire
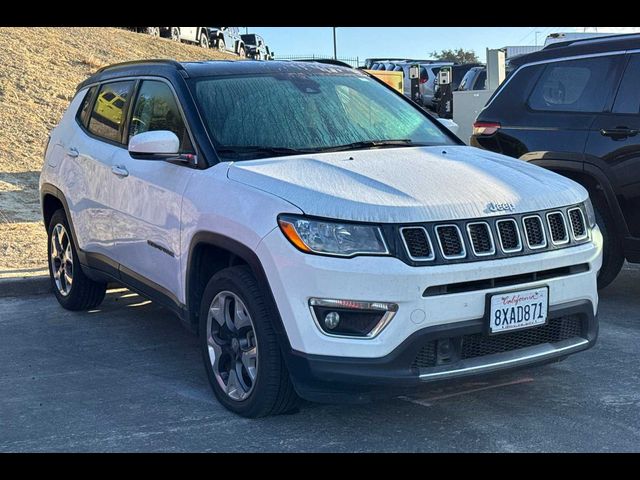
242,53
221,46
613,254
175,34
81,293
153,31
204,41
269,391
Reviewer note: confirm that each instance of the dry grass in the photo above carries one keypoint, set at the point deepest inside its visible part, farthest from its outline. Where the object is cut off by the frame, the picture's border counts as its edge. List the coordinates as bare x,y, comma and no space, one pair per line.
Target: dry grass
40,69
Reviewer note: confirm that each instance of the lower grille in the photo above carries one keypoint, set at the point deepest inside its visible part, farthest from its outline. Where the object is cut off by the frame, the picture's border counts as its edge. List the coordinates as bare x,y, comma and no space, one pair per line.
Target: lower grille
481,344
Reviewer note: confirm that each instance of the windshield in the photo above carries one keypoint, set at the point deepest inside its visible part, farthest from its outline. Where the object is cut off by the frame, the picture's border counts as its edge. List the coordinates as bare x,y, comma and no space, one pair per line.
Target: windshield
298,111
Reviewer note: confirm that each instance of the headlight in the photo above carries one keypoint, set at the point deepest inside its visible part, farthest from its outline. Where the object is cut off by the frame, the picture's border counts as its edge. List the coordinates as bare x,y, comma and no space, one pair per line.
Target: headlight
332,238
591,215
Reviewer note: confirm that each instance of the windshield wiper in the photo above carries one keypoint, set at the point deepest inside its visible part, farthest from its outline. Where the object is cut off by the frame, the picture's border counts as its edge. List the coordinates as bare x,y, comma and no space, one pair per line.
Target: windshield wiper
251,150
404,142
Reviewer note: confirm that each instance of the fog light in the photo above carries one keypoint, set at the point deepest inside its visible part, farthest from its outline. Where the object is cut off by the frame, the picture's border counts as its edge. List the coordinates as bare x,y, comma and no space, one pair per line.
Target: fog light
331,320
351,318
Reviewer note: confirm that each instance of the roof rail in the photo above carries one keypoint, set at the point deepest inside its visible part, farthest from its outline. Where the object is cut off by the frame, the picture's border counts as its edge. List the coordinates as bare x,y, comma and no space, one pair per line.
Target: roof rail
164,61
595,39
329,61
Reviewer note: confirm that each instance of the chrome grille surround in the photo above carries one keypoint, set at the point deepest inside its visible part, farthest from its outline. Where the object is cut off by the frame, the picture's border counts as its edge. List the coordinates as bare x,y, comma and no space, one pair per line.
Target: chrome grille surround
581,219
550,223
468,240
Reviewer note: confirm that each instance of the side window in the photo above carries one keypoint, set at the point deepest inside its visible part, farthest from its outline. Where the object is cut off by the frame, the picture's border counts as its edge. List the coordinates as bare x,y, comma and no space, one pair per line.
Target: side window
573,86
85,107
109,110
156,109
628,97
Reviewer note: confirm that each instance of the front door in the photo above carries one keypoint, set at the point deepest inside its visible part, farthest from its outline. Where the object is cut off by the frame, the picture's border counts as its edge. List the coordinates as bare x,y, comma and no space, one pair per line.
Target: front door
147,195
614,144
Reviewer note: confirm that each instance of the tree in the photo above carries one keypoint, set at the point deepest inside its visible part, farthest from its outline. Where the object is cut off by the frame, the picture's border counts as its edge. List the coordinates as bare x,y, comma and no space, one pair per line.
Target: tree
459,55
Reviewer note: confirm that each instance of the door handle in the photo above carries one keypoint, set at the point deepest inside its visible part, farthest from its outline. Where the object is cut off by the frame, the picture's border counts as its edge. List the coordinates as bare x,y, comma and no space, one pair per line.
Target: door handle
619,132
120,171
73,152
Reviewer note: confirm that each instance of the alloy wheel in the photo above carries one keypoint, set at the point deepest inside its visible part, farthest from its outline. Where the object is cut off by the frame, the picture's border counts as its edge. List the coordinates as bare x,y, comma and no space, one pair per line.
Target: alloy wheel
61,260
232,345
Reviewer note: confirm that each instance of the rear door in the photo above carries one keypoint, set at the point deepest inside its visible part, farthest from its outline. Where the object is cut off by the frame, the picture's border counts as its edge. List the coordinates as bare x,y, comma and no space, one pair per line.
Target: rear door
189,33
89,170
614,143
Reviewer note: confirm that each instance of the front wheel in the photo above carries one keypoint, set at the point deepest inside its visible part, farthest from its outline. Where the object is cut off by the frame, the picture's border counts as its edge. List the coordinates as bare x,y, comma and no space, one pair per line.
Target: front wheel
72,288
221,46
240,349
204,41
241,53
175,34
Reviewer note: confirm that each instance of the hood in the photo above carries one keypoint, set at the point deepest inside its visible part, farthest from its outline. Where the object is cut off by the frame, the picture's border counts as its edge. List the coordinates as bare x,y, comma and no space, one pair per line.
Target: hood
410,184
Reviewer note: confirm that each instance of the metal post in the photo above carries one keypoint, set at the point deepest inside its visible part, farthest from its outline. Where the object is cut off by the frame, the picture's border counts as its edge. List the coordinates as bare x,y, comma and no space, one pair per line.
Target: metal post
335,49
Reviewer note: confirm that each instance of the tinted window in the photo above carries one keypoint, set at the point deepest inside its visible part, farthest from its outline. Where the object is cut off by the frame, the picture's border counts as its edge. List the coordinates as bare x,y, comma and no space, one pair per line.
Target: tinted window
85,107
109,110
308,111
628,98
481,82
573,86
156,109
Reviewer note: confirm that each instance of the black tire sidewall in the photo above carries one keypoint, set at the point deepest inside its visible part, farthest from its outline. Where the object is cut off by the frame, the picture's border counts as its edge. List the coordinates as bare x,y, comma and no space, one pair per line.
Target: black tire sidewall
613,256
230,281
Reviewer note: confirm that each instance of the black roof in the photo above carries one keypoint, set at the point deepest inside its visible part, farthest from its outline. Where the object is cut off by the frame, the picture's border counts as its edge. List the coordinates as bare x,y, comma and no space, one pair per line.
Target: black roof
577,47
171,69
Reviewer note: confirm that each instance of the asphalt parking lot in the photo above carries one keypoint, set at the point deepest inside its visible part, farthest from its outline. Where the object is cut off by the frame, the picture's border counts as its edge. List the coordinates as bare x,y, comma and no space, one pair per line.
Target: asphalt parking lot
128,377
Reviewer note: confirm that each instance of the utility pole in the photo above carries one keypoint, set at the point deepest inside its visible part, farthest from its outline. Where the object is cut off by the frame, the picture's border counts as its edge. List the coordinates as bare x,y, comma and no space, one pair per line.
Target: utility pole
335,48
246,30
537,32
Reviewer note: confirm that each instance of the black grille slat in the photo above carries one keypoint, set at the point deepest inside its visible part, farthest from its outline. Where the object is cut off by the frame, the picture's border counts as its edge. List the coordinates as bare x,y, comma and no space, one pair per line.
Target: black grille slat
417,242
534,231
557,228
509,237
577,223
480,236
480,344
450,240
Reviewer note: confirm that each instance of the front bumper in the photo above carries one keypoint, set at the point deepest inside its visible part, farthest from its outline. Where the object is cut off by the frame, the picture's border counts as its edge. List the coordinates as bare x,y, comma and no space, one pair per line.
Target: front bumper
324,378
321,363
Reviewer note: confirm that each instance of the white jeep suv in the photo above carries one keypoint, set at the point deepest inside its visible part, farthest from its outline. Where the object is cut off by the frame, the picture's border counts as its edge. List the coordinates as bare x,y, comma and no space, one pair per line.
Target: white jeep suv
324,236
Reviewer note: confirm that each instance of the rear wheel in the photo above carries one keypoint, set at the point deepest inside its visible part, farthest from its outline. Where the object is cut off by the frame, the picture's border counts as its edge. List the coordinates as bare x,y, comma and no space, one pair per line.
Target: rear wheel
73,289
204,41
175,34
153,31
240,348
612,255
221,46
241,53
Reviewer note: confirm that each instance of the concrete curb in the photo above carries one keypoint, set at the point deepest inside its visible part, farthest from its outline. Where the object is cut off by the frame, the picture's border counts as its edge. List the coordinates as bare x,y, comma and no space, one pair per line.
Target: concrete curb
24,286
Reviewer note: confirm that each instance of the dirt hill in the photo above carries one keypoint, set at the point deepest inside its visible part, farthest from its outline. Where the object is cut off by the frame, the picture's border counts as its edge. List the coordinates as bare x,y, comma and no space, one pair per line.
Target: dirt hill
41,68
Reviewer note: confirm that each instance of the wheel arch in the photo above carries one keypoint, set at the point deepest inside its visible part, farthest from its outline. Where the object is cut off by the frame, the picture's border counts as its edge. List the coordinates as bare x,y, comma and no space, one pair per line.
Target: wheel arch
211,252
590,177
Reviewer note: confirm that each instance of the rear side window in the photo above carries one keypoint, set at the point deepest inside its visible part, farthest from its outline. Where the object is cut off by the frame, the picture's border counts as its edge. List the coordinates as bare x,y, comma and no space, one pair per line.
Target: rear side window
628,97
573,86
156,109
85,107
108,113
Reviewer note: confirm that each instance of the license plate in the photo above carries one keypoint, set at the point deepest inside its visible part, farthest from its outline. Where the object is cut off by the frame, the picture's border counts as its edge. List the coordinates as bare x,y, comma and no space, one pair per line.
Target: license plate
515,310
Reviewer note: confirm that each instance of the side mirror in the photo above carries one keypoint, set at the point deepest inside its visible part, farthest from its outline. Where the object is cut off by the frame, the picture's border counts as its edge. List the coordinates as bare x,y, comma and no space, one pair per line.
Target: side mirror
158,143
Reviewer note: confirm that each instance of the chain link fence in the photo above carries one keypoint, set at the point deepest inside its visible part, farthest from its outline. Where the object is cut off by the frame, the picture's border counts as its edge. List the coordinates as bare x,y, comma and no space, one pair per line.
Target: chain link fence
353,61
